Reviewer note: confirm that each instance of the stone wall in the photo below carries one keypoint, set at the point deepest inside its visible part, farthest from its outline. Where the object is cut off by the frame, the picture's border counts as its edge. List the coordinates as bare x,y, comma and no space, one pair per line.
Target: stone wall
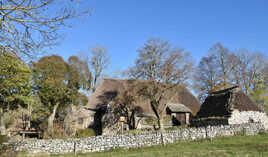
236,117
103,143
209,122
248,116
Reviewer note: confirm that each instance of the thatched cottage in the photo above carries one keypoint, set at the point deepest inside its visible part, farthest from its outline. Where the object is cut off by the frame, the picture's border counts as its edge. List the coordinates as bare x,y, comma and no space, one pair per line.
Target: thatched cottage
234,104
179,100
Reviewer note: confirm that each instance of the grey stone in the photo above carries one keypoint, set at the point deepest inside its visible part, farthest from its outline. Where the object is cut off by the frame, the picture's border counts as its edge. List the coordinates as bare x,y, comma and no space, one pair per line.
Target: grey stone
104,143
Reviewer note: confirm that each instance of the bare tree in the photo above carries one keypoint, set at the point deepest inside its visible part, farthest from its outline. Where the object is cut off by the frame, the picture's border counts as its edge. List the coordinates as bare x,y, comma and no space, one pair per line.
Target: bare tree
222,56
28,26
164,68
248,69
98,61
214,71
206,77
223,68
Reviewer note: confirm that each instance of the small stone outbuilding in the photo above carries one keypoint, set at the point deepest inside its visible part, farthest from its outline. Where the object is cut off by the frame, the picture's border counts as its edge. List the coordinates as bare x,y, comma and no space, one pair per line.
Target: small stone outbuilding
234,104
77,118
180,114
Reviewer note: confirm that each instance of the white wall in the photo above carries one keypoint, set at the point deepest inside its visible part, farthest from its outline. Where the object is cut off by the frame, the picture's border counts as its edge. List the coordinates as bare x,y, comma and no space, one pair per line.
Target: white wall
238,117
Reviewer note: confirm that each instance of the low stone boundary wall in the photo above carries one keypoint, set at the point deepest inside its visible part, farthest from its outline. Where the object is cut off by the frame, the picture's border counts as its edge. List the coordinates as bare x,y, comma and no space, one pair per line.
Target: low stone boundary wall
103,143
238,117
209,122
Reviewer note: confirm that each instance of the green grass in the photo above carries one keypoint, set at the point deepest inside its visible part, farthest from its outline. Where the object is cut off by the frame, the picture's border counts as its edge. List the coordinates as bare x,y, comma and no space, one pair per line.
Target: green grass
83,133
240,146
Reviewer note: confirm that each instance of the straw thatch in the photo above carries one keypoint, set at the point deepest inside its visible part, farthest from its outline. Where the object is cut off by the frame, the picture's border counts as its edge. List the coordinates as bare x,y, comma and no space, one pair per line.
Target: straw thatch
110,88
178,108
222,103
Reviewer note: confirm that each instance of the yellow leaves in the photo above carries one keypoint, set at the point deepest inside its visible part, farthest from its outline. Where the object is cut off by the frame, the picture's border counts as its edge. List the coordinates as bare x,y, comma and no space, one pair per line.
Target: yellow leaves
7,7
260,93
8,99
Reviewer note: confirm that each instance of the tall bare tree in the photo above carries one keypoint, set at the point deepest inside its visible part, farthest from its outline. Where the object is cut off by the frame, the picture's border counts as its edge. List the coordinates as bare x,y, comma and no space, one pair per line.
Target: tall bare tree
214,71
98,61
223,68
28,26
164,68
248,69
222,56
206,77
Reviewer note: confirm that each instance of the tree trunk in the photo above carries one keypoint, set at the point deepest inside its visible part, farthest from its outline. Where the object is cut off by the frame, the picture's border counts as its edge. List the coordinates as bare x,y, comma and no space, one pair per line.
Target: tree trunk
157,115
51,120
160,123
132,119
2,124
160,128
128,120
95,83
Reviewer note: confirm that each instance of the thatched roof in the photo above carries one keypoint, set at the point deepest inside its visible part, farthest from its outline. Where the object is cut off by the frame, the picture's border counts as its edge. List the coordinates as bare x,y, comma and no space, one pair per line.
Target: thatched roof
222,103
110,88
178,108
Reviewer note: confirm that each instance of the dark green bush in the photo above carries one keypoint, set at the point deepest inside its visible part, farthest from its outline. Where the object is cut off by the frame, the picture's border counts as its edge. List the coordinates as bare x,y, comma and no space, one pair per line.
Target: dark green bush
134,132
83,133
265,133
3,139
5,149
175,127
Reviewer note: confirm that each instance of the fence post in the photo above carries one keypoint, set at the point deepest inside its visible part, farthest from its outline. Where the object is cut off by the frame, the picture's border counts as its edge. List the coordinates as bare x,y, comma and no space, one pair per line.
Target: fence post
162,138
75,148
206,131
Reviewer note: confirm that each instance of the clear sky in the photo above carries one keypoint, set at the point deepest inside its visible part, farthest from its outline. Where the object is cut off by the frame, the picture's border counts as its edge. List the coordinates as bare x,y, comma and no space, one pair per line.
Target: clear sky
124,25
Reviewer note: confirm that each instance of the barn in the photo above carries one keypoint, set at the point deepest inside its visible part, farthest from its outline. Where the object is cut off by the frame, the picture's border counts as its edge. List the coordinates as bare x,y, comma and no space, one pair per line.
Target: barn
233,104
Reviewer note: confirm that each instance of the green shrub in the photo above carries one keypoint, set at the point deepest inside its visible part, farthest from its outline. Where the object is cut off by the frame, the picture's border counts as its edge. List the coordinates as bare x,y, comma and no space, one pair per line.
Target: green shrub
7,151
3,139
265,133
175,127
150,120
209,118
134,132
4,148
83,133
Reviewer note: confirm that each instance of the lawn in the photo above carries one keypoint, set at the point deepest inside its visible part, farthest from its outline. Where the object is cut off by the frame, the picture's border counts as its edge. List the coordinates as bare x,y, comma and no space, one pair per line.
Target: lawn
242,146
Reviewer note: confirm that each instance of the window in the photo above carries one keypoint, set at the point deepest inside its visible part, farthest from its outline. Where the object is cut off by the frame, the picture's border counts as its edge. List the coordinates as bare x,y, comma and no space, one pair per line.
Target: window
80,120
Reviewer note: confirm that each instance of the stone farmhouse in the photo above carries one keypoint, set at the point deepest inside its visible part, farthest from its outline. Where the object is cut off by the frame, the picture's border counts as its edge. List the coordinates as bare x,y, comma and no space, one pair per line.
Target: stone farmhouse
233,104
76,119
178,104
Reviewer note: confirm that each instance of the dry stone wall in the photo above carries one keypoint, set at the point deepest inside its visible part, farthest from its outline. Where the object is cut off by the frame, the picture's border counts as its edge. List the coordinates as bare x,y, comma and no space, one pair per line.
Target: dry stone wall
248,116
104,143
209,122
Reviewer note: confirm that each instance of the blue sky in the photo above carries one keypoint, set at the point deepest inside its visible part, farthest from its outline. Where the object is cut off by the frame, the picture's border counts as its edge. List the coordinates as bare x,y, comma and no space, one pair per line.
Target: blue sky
124,25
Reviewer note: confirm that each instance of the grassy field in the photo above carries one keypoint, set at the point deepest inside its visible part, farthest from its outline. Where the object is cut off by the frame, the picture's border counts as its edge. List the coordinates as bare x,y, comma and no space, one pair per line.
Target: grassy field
240,146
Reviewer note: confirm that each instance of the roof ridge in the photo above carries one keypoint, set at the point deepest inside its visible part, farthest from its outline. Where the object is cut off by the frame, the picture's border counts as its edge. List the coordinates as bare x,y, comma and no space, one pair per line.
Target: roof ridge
110,78
225,90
